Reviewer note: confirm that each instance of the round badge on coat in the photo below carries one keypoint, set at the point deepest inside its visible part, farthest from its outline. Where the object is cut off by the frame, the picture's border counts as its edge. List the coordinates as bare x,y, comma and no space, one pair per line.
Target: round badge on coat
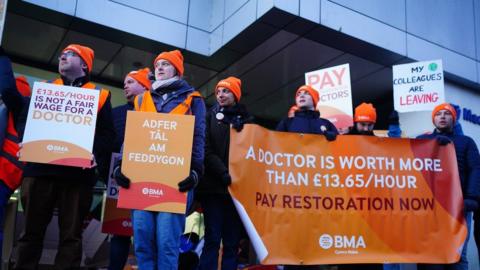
323,128
219,116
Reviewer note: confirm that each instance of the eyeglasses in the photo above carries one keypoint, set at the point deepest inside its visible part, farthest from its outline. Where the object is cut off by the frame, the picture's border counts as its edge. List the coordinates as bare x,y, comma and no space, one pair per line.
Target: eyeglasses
67,54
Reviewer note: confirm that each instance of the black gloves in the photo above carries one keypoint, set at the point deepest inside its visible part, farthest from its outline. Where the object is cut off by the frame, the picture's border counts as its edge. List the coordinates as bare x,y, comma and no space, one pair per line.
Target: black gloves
330,135
443,140
226,179
121,179
237,123
470,205
393,118
188,183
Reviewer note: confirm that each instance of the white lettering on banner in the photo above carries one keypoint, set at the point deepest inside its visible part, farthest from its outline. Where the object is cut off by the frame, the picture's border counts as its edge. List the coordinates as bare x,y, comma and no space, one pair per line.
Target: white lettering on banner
327,241
371,163
383,172
150,158
281,159
419,164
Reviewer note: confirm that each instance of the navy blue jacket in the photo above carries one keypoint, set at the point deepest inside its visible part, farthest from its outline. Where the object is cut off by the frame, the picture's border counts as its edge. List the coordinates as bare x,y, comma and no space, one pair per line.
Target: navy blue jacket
119,114
8,89
176,93
306,122
468,161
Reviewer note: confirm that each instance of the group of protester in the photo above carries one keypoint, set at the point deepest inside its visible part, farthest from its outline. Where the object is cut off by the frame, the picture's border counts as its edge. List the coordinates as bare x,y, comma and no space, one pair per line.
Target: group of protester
157,234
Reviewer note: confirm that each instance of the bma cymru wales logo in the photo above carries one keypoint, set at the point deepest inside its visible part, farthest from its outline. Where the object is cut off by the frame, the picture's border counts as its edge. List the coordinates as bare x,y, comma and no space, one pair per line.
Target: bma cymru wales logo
432,66
327,241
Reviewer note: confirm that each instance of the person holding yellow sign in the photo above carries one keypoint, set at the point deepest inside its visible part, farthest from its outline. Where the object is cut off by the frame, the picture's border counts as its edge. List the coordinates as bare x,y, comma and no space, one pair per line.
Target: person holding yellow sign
157,234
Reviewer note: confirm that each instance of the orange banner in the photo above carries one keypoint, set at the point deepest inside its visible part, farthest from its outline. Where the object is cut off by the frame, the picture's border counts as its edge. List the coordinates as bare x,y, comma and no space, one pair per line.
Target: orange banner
359,199
156,156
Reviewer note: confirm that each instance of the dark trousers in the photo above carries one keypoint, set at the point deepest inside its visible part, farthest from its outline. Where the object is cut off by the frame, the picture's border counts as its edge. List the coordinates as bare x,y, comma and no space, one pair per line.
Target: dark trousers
222,223
119,248
39,196
5,193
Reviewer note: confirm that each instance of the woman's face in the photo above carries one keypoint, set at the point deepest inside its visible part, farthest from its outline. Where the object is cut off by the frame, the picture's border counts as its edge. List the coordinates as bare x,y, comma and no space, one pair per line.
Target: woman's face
225,97
164,70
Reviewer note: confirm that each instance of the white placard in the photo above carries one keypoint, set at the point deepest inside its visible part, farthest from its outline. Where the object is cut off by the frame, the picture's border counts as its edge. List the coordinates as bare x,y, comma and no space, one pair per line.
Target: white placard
334,87
418,86
3,13
60,125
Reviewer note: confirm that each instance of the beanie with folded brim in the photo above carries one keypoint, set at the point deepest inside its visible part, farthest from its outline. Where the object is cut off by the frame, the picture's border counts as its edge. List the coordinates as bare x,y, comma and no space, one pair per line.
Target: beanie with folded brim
141,76
83,52
175,58
445,106
311,91
365,112
233,84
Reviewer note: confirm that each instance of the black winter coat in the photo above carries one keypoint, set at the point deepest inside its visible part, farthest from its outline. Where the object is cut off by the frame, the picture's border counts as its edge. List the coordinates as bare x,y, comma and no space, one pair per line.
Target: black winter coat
217,141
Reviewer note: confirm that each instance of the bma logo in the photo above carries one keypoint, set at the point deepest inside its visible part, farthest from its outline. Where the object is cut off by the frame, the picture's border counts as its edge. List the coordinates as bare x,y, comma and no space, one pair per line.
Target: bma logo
152,192
126,224
57,148
326,241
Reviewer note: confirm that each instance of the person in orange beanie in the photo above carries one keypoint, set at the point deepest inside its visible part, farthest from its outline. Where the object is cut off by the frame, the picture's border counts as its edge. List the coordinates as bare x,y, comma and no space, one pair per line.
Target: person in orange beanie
444,117
83,52
222,223
135,83
67,190
306,118
157,234
364,119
